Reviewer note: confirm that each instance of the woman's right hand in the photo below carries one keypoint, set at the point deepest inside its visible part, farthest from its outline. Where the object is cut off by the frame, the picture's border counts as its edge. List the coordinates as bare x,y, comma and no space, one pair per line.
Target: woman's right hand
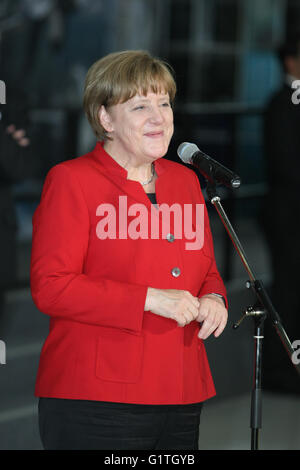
178,305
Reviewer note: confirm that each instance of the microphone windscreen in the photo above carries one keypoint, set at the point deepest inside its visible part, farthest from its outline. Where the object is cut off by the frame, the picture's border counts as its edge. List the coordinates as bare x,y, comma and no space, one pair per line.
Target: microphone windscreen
186,150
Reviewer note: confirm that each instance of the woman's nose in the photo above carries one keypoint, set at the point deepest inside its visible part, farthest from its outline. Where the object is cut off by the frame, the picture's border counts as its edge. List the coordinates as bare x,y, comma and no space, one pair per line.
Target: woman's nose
156,114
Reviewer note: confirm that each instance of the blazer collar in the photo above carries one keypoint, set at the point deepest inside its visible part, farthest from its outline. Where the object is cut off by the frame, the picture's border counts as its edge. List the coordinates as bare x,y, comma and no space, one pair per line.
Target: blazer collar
118,175
113,167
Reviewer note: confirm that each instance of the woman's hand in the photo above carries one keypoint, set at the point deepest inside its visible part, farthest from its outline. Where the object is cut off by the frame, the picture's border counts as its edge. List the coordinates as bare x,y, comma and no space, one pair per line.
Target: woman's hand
178,305
213,316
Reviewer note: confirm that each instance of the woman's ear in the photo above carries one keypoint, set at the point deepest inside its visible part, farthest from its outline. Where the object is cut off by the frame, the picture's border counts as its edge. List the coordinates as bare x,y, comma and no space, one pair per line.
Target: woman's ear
105,119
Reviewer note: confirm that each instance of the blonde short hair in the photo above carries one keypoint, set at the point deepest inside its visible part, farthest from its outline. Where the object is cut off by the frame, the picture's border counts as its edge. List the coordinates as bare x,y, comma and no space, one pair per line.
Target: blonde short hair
118,77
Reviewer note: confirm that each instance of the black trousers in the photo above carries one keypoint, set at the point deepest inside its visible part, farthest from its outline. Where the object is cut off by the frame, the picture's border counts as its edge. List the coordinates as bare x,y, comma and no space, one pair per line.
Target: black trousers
94,425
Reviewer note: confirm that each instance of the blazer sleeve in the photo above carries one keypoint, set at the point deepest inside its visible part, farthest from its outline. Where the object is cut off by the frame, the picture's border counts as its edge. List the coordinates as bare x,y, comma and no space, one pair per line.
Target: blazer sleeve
60,241
213,282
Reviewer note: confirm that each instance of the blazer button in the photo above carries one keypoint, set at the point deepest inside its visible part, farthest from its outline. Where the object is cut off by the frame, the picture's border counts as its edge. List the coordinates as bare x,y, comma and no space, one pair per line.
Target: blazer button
170,237
175,272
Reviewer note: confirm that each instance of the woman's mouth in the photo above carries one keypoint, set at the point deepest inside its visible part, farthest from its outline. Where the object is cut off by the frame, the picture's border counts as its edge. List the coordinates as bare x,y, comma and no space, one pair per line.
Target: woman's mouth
154,134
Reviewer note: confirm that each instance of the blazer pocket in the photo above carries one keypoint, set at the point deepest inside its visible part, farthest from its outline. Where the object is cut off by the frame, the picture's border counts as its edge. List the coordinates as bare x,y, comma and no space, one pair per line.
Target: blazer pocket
119,356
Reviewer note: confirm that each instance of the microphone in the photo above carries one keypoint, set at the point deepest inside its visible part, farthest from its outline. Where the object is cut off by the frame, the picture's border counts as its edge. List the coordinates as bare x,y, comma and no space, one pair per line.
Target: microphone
208,167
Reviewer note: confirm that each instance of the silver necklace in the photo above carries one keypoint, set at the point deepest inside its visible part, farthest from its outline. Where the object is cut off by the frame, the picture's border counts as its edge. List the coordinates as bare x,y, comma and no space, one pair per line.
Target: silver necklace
151,178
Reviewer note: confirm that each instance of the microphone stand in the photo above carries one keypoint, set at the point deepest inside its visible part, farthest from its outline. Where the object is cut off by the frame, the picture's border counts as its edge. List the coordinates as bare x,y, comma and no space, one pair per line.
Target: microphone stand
262,309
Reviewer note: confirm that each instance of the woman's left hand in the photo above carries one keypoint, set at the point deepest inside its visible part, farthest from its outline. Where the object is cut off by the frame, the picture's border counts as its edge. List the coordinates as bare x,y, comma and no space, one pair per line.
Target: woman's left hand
213,315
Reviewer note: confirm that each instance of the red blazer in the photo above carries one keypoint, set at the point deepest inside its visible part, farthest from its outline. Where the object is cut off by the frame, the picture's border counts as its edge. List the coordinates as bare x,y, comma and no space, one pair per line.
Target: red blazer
102,345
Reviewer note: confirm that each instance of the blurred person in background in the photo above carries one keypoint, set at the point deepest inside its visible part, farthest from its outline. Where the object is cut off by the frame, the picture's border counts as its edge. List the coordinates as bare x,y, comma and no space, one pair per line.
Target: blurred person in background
17,162
281,219
25,27
21,26
124,365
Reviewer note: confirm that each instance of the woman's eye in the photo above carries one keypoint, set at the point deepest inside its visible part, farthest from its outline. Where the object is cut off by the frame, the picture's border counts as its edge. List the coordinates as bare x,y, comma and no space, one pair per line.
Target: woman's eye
139,107
166,104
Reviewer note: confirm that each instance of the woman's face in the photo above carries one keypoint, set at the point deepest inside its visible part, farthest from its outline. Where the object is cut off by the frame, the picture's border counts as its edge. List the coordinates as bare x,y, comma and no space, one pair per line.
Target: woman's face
141,127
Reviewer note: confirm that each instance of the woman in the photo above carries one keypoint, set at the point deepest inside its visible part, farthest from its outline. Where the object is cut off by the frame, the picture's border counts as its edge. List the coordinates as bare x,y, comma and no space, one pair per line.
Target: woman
124,364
